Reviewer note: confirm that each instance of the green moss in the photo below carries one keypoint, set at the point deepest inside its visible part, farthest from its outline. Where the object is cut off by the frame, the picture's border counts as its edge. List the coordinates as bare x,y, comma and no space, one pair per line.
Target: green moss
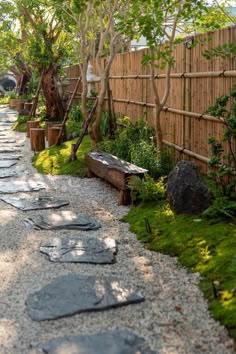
55,160
200,246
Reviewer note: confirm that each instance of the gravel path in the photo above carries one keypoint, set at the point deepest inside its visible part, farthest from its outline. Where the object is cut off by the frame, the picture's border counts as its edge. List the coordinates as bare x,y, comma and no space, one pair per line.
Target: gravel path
173,319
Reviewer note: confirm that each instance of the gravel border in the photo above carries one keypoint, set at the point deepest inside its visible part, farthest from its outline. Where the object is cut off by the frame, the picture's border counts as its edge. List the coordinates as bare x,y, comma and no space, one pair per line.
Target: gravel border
173,319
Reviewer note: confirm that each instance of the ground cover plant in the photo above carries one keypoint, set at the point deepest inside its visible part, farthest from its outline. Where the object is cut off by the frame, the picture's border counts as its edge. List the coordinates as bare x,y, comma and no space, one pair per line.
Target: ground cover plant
55,160
201,245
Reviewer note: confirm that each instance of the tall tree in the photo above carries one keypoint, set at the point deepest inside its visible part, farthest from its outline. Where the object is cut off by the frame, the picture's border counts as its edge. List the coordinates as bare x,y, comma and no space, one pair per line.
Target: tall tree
47,45
97,36
12,40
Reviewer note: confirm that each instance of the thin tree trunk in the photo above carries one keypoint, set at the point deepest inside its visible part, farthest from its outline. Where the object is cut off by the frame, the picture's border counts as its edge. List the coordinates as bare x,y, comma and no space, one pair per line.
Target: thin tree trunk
96,133
35,103
86,123
68,110
111,113
157,120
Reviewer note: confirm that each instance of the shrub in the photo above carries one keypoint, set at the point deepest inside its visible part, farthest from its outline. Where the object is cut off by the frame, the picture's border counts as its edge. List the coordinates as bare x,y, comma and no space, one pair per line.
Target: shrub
135,144
147,189
224,165
222,208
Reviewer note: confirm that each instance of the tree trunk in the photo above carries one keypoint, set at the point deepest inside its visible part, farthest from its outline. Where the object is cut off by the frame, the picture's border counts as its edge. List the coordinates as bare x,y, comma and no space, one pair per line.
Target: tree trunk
95,133
23,82
54,105
157,120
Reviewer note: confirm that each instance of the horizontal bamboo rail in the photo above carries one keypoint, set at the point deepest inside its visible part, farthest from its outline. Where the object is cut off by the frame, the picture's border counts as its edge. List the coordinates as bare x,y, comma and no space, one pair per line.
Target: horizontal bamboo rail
204,74
199,116
186,151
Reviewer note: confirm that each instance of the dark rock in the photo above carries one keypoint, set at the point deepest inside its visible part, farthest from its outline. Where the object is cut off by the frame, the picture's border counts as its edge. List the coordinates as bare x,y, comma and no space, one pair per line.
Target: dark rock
35,203
186,190
115,342
72,294
65,219
80,250
7,163
20,186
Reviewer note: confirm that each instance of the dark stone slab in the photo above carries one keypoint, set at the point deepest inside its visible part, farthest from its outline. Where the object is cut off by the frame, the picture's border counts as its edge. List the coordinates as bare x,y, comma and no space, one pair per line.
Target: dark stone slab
80,250
7,173
10,156
7,140
8,145
3,128
73,293
20,186
186,191
7,163
114,342
35,203
65,219
8,149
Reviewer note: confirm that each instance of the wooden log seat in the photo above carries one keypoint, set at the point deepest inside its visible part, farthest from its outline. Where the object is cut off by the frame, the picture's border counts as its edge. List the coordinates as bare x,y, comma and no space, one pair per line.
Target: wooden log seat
113,170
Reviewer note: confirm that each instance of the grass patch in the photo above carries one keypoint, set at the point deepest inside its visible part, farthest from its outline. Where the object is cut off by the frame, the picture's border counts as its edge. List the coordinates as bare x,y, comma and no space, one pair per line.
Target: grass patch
55,160
209,249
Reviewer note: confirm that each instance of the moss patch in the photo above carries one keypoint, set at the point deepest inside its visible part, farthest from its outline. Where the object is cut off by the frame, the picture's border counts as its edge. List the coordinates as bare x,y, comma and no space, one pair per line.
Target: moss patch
209,249
55,160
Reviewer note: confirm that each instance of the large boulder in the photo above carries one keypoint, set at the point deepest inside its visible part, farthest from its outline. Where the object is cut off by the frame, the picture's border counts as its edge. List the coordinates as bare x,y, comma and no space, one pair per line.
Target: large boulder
186,191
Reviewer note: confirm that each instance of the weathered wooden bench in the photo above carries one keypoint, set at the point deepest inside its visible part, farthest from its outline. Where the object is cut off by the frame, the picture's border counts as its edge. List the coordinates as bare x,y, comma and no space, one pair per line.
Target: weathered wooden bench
113,170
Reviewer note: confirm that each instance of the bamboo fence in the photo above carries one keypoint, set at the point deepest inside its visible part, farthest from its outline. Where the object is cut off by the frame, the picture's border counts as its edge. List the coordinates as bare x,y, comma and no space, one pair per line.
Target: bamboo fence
195,84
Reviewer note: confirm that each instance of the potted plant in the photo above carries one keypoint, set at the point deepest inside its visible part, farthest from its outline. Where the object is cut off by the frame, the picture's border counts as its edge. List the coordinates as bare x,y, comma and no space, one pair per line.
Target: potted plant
29,102
12,99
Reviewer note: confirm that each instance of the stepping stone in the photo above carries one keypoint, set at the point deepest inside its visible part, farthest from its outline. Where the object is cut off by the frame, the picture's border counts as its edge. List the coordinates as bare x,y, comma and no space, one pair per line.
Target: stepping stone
74,293
5,124
10,157
8,173
20,186
35,203
65,219
8,149
3,128
7,140
7,164
7,144
114,342
80,250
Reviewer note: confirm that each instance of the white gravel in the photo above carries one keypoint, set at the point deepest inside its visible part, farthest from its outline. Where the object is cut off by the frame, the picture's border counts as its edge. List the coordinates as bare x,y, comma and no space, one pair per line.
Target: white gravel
173,319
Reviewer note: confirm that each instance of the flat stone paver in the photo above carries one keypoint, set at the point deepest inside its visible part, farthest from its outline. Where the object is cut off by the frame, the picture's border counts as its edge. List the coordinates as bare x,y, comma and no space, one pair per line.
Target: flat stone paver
17,186
10,157
7,173
7,163
35,203
116,342
72,294
65,219
80,250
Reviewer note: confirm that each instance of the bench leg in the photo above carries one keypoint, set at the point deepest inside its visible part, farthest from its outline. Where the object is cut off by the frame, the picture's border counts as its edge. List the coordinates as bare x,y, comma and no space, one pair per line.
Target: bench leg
90,174
124,197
